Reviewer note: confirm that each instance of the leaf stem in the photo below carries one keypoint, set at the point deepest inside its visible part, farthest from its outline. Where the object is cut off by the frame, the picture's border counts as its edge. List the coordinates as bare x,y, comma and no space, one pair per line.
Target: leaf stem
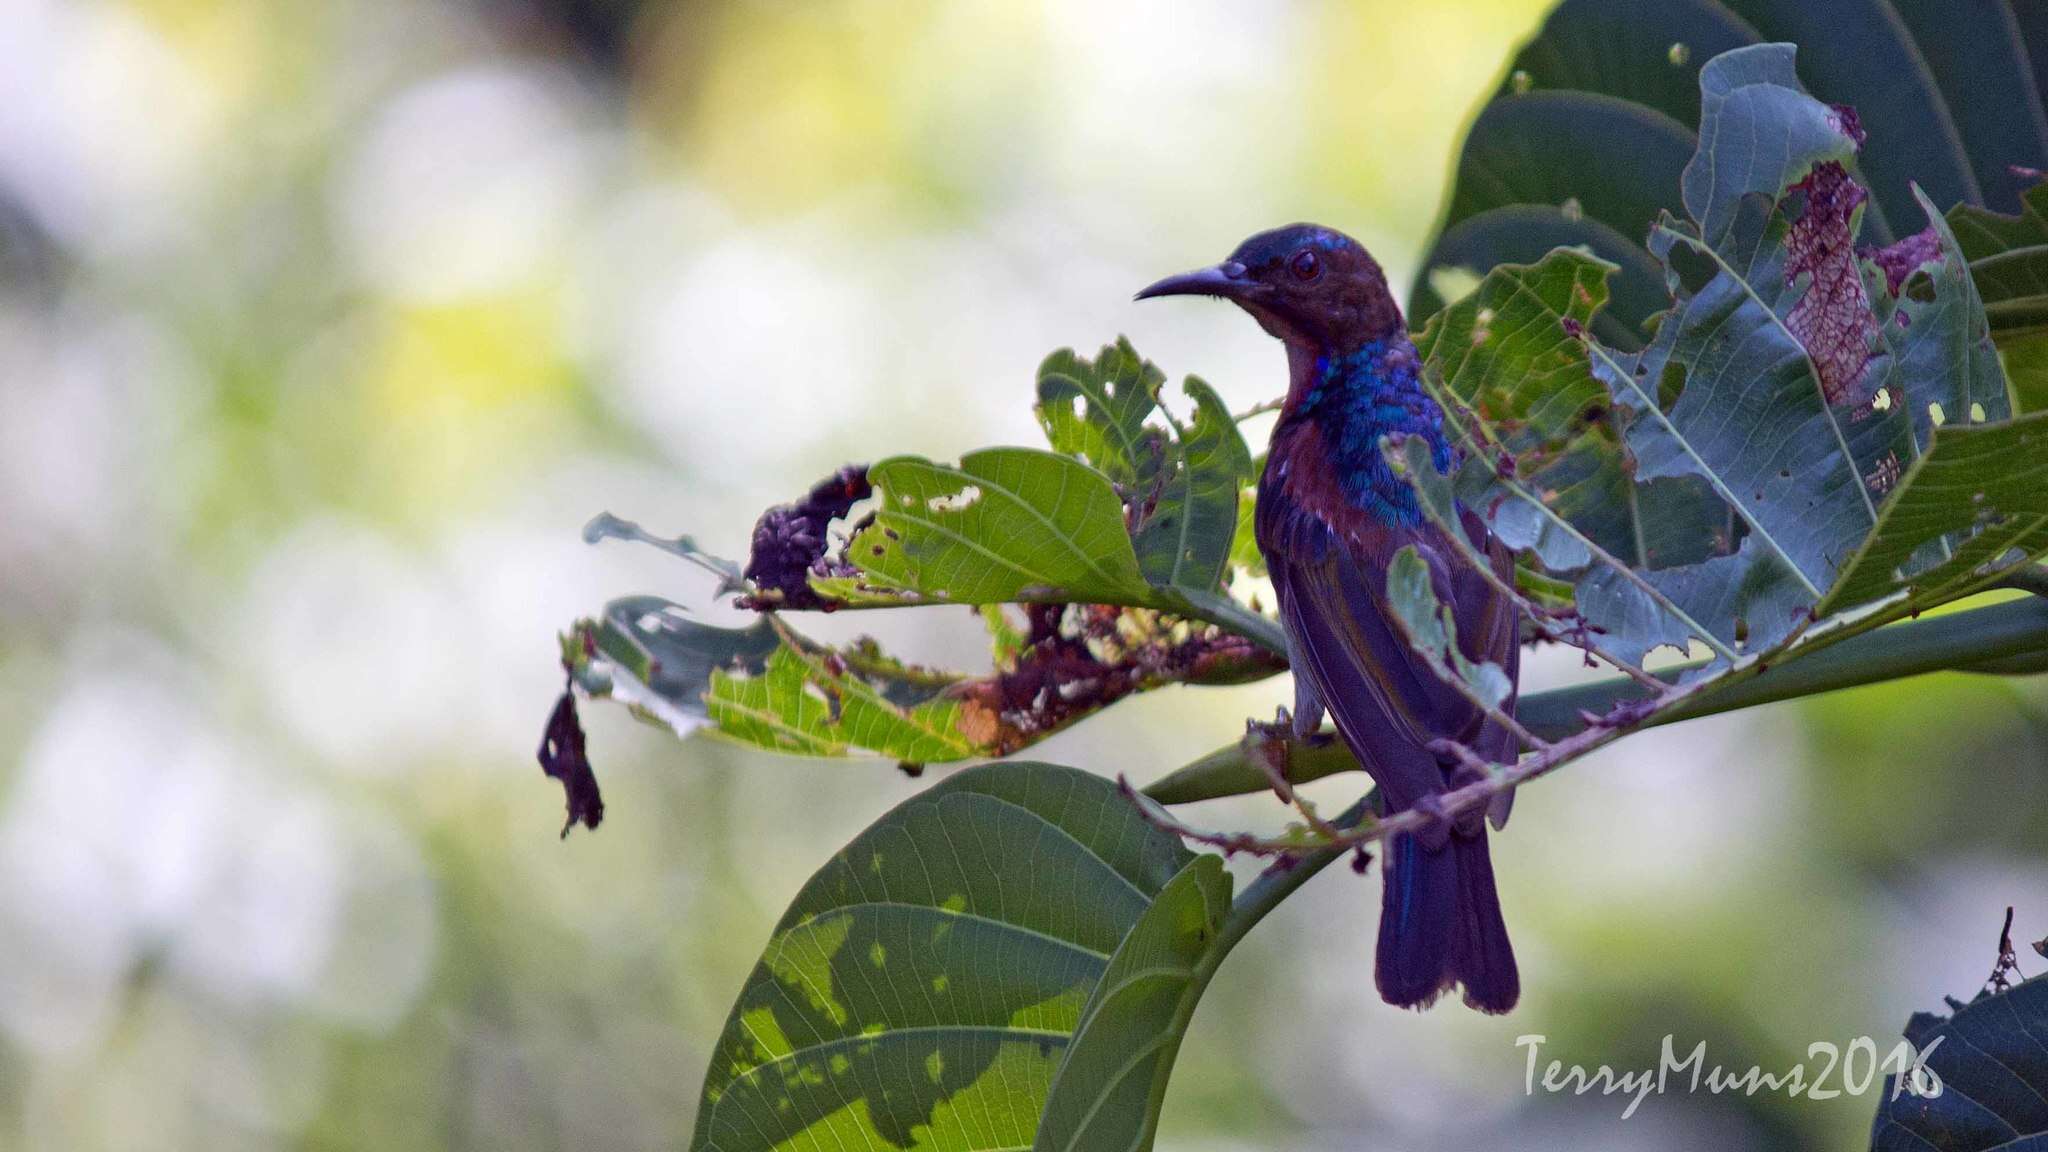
2003,639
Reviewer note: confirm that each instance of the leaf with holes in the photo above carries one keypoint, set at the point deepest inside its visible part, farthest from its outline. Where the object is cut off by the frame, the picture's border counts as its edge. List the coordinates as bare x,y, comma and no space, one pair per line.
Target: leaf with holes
1950,92
1937,359
924,988
1005,524
1098,411
1768,345
812,703
1513,353
1432,632
1185,538
658,658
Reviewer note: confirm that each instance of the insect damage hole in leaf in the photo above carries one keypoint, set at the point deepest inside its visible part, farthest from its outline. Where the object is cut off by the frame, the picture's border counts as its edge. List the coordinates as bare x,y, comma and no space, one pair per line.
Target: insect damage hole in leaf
959,501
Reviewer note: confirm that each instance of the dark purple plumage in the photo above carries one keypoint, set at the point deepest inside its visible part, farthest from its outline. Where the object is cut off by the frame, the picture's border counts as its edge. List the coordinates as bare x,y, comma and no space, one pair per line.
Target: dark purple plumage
1330,517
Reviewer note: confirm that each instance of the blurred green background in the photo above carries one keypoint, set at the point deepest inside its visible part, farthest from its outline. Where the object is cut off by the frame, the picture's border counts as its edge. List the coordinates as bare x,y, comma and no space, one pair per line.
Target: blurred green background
324,327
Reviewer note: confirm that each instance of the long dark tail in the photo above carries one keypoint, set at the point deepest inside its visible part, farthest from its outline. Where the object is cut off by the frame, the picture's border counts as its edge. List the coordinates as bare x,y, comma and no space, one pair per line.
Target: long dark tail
1440,925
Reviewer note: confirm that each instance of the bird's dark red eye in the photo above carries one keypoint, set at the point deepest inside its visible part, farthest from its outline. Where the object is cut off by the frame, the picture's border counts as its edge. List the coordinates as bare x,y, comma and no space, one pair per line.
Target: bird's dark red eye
1306,265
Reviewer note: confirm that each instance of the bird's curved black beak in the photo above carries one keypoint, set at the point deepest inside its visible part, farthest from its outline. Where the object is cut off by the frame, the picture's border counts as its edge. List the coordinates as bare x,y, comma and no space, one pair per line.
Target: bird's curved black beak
1227,280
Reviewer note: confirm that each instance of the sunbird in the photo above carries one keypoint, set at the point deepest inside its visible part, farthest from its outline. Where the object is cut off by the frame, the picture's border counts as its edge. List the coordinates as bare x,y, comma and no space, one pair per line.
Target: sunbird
1330,516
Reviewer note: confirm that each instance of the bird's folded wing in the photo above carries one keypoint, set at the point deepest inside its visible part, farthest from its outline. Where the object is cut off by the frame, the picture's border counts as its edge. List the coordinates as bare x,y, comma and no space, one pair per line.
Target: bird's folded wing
1387,700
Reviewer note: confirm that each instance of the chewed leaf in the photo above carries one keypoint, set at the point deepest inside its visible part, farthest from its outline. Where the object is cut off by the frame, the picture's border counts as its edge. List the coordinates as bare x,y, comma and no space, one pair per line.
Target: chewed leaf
1005,524
2008,258
1071,660
1066,662
1430,628
1759,133
1098,411
605,526
1515,355
1184,539
1768,346
1980,492
811,703
1937,350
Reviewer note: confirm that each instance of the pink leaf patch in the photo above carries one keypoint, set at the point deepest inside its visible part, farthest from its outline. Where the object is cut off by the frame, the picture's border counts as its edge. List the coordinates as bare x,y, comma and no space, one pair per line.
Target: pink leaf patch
1902,259
1832,320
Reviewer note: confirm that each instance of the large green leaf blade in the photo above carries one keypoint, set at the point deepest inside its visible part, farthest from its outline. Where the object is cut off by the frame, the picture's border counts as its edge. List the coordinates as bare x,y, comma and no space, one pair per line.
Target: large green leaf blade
1532,149
811,704
1972,47
1648,54
1005,524
1109,1089
923,988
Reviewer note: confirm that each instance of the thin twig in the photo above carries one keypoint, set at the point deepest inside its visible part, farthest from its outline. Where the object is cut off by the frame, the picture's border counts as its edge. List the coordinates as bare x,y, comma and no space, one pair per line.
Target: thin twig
1472,797
1259,409
1622,719
1256,745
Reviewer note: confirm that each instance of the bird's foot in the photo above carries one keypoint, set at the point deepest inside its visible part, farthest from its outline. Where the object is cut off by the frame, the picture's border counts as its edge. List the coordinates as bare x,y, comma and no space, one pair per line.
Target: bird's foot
1269,746
1437,832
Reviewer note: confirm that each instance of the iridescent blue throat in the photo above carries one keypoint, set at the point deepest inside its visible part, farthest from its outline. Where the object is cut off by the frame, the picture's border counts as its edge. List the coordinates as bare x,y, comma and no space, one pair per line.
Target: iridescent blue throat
1361,396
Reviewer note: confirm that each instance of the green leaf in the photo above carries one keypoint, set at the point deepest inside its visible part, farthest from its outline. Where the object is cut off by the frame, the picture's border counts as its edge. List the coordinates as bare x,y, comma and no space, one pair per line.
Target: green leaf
1990,1063
1992,478
2009,262
1097,411
1006,524
812,703
925,986
1109,1089
1430,629
1186,539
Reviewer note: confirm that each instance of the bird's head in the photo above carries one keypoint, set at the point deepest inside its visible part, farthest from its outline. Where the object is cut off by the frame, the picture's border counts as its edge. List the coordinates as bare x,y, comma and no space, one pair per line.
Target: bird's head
1315,288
